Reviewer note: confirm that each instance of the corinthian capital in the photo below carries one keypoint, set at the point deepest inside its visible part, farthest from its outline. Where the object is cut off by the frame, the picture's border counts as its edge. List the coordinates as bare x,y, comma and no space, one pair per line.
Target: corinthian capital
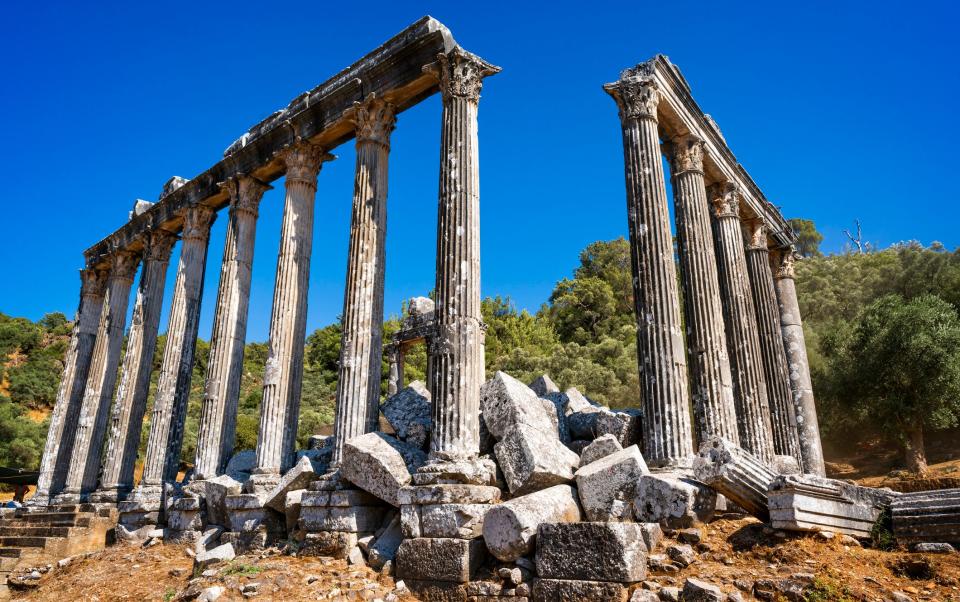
245,193
636,93
303,160
756,232
157,245
685,153
784,261
197,220
461,73
93,282
374,119
123,265
725,199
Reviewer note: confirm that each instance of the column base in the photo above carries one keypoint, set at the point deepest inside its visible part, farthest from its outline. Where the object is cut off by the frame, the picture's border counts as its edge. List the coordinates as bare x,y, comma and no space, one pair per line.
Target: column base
466,471
67,498
108,495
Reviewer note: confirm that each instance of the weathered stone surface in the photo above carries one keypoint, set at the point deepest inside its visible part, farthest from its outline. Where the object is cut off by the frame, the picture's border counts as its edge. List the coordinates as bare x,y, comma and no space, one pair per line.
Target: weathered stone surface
652,535
378,464
439,559
570,590
933,548
452,520
736,473
185,514
625,425
607,486
644,595
245,513
543,385
682,554
510,528
785,464
576,401
554,403
695,590
506,402
214,492
600,447
582,423
812,503
335,544
386,545
298,477
927,516
357,519
292,503
218,554
241,464
591,551
673,501
532,459
410,520
449,494
408,412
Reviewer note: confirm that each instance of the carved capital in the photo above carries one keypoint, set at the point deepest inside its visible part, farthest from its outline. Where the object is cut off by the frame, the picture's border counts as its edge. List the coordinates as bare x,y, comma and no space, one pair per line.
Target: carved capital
725,199
123,265
302,161
636,94
197,220
245,193
93,282
461,73
756,233
157,245
784,261
685,153
374,119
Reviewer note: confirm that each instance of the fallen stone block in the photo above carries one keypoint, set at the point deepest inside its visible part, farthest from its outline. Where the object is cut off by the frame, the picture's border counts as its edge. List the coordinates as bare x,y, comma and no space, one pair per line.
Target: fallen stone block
510,528
682,554
291,508
543,385
571,590
506,403
673,501
554,404
607,487
625,425
532,460
335,544
785,465
409,413
695,590
927,516
439,559
576,401
736,473
206,558
599,448
385,546
298,477
357,519
591,551
378,463
812,503
410,520
241,465
464,521
246,513
932,548
652,535
582,423
449,494
214,493
185,514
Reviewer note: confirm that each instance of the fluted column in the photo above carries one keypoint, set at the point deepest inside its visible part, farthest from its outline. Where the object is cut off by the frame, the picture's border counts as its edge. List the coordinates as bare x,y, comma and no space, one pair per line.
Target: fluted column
98,393
63,420
361,342
743,343
283,373
126,419
783,416
173,387
714,412
395,382
218,414
661,359
799,367
458,346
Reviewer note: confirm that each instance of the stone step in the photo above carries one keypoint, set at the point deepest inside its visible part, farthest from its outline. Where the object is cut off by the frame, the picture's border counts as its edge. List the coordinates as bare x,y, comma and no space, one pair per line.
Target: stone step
10,552
38,531
77,520
24,542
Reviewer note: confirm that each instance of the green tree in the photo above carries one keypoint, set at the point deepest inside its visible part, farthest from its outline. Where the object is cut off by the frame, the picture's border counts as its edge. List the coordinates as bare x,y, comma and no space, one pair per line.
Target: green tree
808,238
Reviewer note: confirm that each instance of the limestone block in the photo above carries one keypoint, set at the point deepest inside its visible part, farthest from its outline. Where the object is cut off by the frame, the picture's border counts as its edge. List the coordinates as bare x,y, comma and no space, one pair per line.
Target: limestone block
319,458
785,465
736,473
185,515
449,494
208,539
927,516
510,528
571,590
439,559
607,487
543,385
577,446
335,544
214,492
576,401
245,513
554,407
673,501
625,425
506,402
695,590
409,413
298,477
812,503
291,508
532,459
241,465
319,441
351,497
386,545
358,519
410,520
591,551
582,423
652,535
222,553
600,447
452,520
380,464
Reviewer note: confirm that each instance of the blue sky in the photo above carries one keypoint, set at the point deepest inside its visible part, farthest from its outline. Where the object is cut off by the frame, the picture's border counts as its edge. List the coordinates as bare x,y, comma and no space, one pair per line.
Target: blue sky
838,110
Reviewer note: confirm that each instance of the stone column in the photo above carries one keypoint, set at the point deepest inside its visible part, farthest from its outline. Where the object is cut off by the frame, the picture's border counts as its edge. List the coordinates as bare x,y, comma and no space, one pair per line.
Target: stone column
361,342
218,415
783,416
715,414
661,359
743,343
457,348
63,420
94,411
799,367
126,420
283,374
396,369
173,388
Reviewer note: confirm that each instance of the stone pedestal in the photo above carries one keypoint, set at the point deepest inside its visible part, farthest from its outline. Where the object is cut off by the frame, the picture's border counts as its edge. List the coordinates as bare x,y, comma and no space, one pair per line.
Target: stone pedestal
126,420
799,367
743,343
252,525
668,440
218,415
63,420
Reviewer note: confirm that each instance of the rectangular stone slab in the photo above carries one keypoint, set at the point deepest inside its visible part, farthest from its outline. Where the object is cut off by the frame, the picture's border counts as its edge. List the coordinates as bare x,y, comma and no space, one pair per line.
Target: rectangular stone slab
592,551
440,559
569,590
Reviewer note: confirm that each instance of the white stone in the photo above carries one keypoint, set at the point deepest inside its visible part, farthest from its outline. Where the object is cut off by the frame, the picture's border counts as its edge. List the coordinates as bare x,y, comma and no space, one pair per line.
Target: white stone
463,521
532,459
599,448
510,528
607,487
298,477
506,402
409,413
218,554
673,501
375,463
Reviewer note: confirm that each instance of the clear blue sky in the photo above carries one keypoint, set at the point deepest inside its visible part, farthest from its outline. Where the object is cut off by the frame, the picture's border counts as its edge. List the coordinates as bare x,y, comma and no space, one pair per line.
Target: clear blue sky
838,110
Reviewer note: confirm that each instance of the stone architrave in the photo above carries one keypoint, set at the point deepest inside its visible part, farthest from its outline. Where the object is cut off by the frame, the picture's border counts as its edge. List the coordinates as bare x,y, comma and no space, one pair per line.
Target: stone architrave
714,410
173,387
283,373
783,417
63,420
799,366
743,342
456,350
95,410
126,420
662,363
361,342
218,414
